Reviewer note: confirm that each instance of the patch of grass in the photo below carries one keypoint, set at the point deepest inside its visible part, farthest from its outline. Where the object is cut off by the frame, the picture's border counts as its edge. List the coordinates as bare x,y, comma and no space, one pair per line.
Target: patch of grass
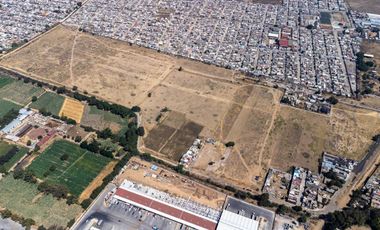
5,81
104,119
51,102
24,199
6,106
5,148
20,92
76,173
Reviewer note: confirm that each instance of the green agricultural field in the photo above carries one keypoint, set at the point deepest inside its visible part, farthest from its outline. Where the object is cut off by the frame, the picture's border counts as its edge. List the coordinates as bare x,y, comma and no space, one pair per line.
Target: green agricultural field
19,92
99,119
76,172
6,106
24,199
5,81
5,148
51,102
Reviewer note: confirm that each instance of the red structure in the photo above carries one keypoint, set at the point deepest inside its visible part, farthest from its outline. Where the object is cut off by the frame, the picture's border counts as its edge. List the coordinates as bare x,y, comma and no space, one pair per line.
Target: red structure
169,211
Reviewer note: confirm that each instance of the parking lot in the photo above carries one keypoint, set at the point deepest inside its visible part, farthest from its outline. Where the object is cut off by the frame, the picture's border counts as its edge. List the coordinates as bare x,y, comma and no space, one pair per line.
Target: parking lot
121,216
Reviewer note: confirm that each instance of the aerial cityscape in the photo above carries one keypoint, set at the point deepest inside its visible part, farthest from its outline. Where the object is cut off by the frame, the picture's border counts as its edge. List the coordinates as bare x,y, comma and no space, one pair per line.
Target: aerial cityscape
189,114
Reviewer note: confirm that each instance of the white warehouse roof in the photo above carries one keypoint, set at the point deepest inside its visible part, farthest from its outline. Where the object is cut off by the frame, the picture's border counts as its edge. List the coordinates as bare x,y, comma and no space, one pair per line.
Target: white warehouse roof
233,221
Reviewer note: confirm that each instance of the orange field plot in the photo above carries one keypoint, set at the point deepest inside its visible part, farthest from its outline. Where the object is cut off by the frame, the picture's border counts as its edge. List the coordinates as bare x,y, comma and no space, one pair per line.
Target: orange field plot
72,109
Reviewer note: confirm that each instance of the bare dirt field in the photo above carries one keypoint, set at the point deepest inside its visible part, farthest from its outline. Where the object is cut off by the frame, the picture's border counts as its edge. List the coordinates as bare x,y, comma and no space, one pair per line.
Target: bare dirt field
198,100
139,171
369,6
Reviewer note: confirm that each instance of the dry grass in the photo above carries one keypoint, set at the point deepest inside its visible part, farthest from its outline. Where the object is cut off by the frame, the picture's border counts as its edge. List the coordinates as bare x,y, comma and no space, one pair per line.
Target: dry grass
369,6
72,109
266,134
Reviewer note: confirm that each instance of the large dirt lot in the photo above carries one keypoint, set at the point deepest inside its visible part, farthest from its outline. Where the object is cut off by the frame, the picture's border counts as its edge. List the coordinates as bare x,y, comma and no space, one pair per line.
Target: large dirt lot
369,6
198,100
372,47
141,172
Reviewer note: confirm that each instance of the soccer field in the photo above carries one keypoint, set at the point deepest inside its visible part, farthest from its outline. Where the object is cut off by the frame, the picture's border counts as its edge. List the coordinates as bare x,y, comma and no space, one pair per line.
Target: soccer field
51,102
76,172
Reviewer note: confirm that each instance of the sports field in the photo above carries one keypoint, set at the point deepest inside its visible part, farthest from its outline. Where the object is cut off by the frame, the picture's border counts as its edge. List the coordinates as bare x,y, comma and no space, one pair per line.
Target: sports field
72,109
19,92
76,172
24,199
51,102
6,106
19,152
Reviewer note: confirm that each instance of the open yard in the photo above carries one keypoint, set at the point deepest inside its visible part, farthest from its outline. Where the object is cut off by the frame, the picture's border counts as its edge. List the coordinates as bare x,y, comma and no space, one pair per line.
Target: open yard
179,104
15,154
24,199
76,172
50,102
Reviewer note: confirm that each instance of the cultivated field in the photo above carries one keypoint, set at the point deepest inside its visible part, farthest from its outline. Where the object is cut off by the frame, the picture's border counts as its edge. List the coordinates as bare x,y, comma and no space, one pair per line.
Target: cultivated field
72,109
6,148
6,106
50,102
369,6
24,199
19,92
76,172
179,104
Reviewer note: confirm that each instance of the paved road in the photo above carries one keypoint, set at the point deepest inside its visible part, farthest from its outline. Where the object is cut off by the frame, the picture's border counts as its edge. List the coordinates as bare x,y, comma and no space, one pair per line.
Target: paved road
234,205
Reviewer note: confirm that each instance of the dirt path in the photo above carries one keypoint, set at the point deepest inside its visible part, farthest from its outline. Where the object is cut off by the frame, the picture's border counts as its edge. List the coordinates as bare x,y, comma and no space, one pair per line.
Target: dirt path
274,115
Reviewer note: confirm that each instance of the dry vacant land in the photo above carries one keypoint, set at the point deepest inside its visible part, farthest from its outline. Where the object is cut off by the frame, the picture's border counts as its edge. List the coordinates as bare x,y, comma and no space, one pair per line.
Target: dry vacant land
369,6
180,104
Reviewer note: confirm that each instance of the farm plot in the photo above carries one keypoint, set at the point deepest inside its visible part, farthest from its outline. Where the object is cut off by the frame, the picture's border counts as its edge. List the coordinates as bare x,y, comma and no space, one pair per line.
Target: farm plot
24,199
99,119
19,92
173,136
72,109
50,102
66,163
10,154
6,106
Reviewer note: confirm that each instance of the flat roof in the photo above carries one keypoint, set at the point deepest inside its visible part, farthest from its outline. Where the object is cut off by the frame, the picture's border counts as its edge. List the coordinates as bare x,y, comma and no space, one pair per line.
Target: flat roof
166,210
233,221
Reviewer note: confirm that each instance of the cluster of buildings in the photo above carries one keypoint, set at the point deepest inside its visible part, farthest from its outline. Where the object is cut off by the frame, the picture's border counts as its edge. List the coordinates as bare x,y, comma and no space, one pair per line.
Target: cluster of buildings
235,214
192,153
371,190
286,44
32,129
20,21
369,24
305,188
